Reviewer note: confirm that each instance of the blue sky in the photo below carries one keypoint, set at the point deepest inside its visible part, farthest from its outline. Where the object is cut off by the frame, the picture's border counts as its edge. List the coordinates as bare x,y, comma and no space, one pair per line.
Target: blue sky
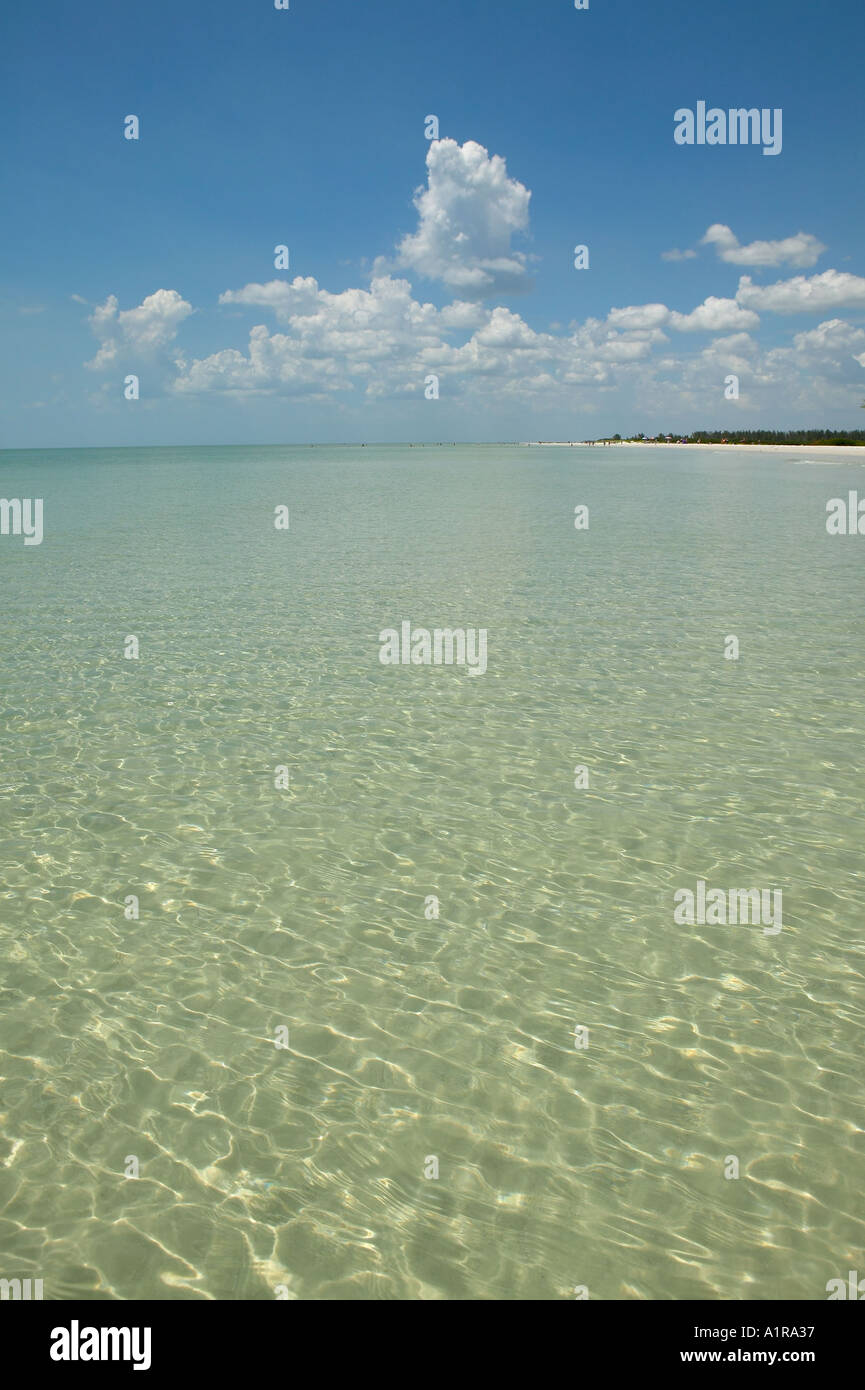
412,258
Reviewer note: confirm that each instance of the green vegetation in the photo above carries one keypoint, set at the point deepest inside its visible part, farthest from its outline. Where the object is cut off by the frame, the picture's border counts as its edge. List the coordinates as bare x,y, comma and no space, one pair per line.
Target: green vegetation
825,436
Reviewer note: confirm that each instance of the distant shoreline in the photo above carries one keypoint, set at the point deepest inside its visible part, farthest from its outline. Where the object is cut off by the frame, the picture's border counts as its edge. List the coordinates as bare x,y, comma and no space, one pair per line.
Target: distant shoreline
857,451
842,450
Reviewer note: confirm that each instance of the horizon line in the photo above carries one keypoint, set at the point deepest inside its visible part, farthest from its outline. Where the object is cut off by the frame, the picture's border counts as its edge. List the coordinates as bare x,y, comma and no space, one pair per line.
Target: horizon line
416,444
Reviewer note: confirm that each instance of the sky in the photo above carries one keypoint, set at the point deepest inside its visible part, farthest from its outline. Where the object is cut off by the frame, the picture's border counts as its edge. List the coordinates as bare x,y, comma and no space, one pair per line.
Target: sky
431,291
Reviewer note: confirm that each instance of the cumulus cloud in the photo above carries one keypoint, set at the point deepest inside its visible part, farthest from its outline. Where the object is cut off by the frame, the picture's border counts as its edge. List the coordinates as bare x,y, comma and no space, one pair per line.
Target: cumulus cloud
333,339
823,356
801,250
834,289
712,316
383,341
468,213
676,255
283,297
464,314
637,316
142,331
736,352
715,316
828,349
833,336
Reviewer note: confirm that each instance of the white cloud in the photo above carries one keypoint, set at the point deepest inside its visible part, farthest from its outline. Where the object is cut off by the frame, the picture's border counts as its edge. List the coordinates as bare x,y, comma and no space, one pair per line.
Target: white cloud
712,316
800,250
142,331
737,352
506,330
828,350
468,212
637,316
385,342
834,289
464,314
283,297
835,335
715,316
333,339
364,324
275,363
824,358
677,255
382,342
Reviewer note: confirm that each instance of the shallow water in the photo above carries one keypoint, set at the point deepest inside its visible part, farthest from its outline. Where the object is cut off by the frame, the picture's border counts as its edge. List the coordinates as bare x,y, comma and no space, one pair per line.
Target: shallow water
271,1172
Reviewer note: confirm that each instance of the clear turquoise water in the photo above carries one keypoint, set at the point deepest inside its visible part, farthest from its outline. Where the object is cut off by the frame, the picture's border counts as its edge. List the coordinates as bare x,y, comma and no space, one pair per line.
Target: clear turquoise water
304,1167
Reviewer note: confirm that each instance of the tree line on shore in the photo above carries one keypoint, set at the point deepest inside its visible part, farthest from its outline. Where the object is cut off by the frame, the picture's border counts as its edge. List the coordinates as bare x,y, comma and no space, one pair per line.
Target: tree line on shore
815,436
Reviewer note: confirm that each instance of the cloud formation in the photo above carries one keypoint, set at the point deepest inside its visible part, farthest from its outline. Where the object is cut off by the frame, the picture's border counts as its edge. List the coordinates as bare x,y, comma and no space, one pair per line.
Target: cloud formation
715,316
140,332
469,212
712,316
383,342
801,250
815,294
334,341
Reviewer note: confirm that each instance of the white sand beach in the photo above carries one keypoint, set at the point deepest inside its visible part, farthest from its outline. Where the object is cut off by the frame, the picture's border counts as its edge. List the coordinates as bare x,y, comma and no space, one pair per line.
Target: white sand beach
855,453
